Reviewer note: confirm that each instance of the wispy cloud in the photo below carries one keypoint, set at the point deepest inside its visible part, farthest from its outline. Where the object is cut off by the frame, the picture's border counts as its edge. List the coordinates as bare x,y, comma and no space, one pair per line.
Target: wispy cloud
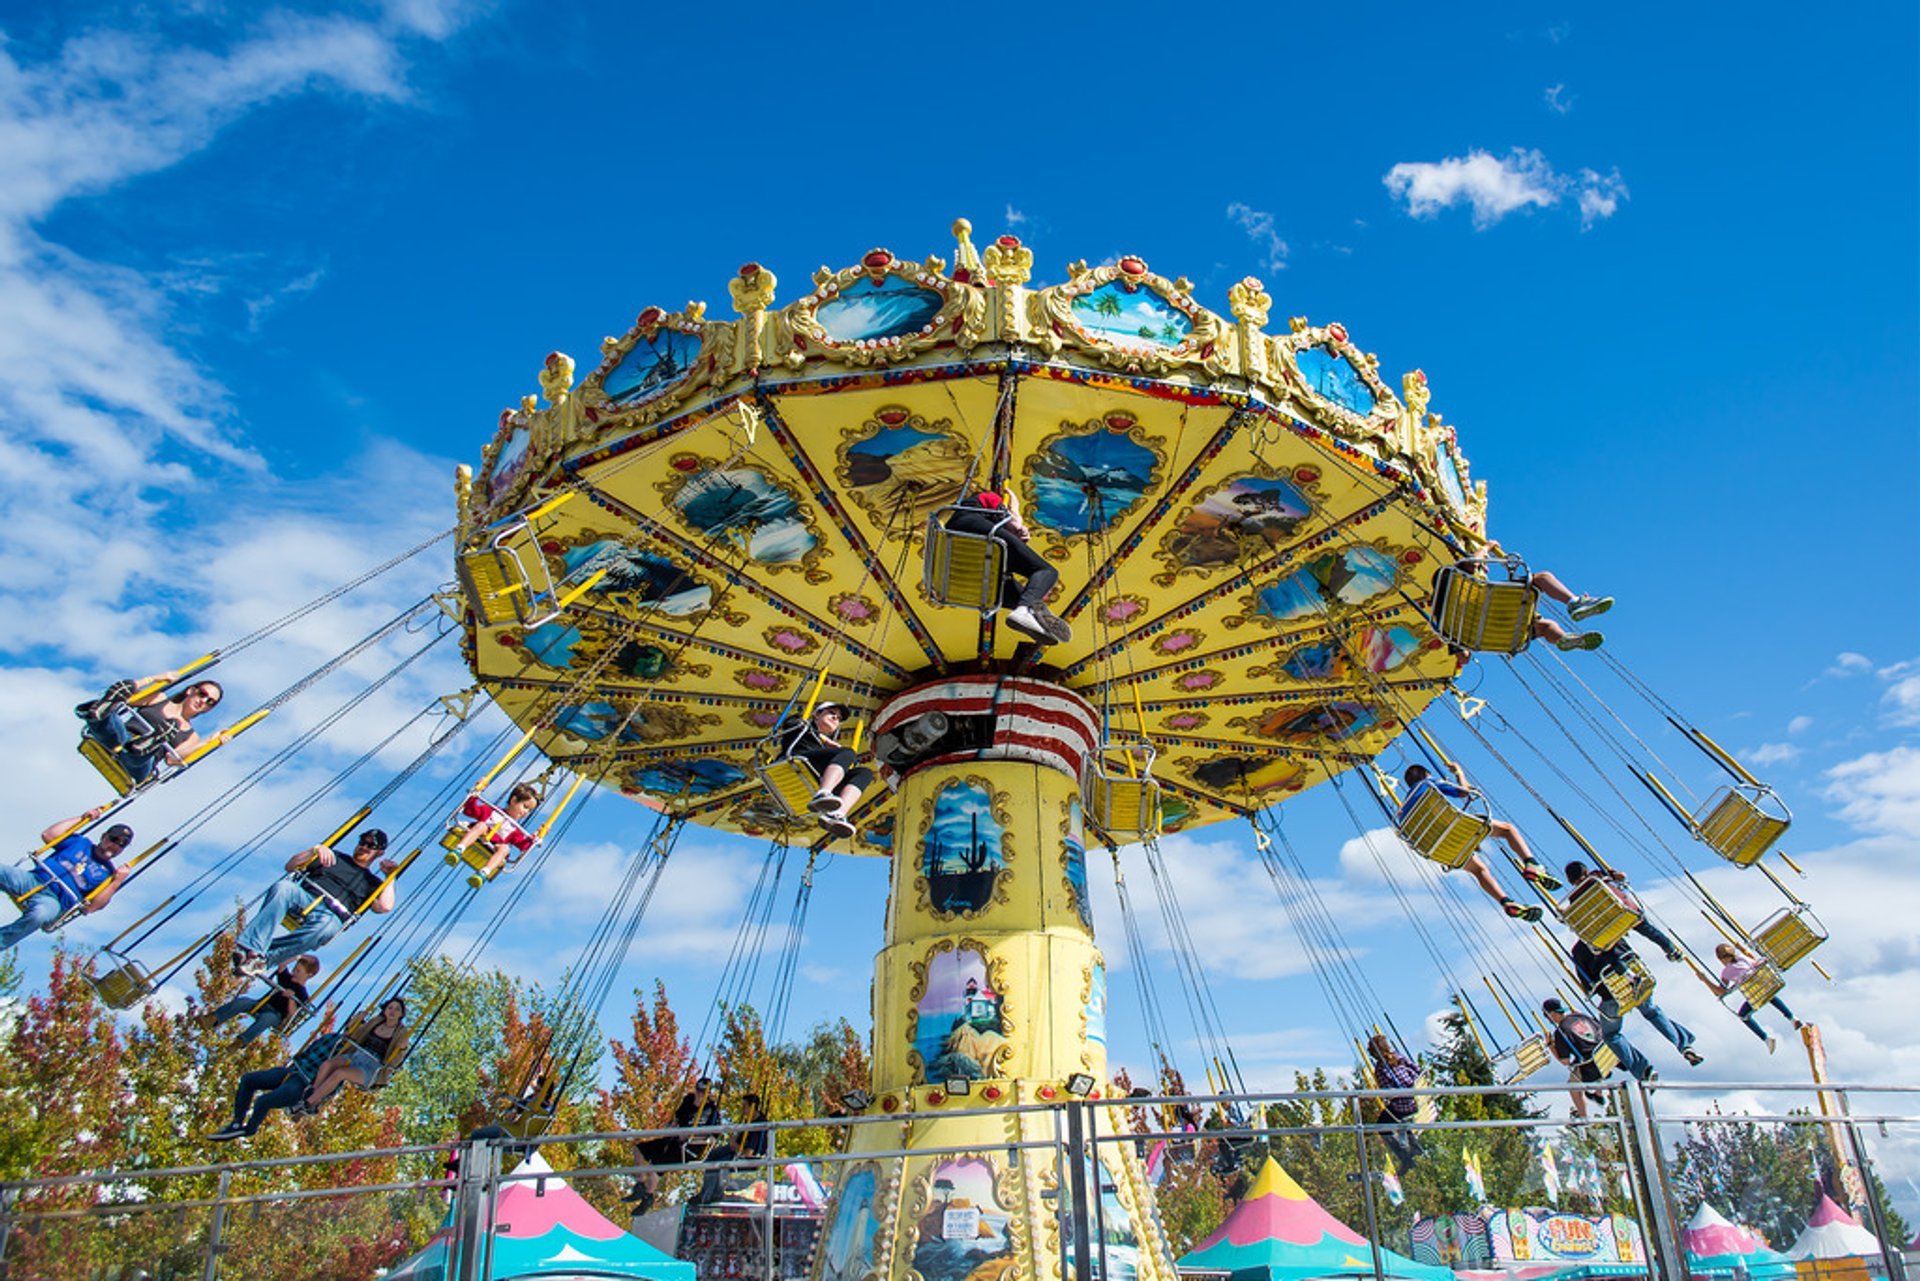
1014,217
1260,229
1772,754
1848,663
1494,186
1799,724
1558,100
1901,702
1880,791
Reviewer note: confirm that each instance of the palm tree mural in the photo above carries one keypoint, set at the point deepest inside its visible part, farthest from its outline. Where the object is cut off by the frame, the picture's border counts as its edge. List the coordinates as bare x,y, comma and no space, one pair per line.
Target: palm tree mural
1106,305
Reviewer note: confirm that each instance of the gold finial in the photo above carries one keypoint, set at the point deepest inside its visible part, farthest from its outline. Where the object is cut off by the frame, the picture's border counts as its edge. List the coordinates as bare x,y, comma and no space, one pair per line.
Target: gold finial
556,377
966,259
752,289
1413,385
1298,324
1249,301
463,494
1008,262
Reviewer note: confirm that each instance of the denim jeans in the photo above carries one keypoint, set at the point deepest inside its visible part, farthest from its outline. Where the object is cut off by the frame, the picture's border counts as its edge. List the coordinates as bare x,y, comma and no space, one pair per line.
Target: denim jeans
266,1020
283,896
1632,1062
35,912
1675,1033
1753,1024
263,1091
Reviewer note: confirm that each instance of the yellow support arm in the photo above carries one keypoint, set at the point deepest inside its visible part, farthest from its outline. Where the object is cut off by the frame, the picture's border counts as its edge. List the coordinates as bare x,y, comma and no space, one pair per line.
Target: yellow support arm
1434,747
355,820
581,590
149,690
1721,754
813,695
551,505
554,817
1499,1001
226,735
387,880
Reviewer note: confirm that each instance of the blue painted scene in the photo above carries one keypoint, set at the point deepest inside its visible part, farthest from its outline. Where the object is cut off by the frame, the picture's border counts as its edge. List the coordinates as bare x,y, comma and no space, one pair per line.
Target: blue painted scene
511,460
551,643
647,577
1097,1006
961,851
1333,377
865,310
1083,484
697,776
1133,318
1337,578
959,1033
651,366
1246,516
1379,649
1331,722
848,1251
741,503
1075,845
1450,482
593,721
963,1233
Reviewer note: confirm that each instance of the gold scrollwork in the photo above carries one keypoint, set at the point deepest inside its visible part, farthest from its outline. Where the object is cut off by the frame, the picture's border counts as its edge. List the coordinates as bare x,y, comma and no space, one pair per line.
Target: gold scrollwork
998,808
1203,346
675,378
1377,427
613,593
996,979
960,320
911,484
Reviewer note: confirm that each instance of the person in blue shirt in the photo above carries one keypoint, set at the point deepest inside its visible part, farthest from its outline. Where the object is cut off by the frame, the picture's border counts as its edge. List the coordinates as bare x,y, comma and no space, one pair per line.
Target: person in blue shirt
1420,781
76,872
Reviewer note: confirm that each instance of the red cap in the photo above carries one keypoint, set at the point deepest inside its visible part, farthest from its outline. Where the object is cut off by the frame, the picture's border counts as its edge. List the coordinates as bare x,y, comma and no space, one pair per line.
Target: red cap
989,499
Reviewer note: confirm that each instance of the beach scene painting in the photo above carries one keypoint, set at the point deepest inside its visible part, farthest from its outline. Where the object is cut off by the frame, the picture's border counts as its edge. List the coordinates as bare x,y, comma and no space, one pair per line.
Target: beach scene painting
1348,577
1133,318
1450,481
510,462
963,1232
651,366
1082,484
962,851
847,1253
742,503
869,309
692,776
959,1032
1247,516
1333,377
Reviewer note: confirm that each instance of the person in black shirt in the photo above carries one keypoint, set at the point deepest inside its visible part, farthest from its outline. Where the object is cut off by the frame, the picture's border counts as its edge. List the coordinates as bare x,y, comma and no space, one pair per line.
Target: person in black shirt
272,1011
328,890
700,1106
1591,964
814,740
1025,601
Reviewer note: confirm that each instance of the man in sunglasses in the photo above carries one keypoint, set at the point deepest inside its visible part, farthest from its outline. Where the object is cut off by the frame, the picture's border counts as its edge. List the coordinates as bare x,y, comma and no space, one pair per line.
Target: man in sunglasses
325,890
76,872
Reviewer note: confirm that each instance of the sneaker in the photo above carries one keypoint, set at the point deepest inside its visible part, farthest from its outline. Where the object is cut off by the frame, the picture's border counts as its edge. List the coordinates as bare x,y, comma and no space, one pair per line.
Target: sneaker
824,803
639,1198
1673,954
1798,1024
837,824
1693,1057
249,965
1026,621
1528,912
1579,640
1587,606
1773,1043
228,1133
1540,876
476,880
1057,628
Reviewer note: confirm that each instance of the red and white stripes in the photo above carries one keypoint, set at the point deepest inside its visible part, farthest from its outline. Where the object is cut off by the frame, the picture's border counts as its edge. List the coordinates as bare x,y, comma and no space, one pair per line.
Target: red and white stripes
1032,721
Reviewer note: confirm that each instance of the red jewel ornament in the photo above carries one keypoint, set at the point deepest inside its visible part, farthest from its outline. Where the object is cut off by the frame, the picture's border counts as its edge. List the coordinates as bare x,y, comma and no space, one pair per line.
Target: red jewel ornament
1048,1092
893,417
1133,266
1337,331
934,1096
749,270
1008,242
991,1093
890,1104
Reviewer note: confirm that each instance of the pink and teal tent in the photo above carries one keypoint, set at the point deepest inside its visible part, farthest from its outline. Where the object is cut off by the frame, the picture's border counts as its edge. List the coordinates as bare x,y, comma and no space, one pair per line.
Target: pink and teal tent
545,1230
1716,1246
1832,1233
1279,1233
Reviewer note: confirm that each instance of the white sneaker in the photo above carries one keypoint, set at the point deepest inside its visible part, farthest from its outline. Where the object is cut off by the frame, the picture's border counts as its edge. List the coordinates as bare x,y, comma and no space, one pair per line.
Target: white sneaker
1573,641
1773,1043
1025,620
824,803
837,824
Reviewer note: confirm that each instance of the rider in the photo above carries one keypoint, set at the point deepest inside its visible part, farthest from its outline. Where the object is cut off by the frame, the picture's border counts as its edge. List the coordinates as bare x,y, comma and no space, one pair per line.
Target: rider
1546,584
289,994
76,872
842,779
1420,781
1579,873
986,513
158,726
500,829
328,890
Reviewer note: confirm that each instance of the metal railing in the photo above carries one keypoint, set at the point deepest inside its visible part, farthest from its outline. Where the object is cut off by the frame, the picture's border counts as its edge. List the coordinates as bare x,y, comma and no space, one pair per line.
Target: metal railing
1635,1165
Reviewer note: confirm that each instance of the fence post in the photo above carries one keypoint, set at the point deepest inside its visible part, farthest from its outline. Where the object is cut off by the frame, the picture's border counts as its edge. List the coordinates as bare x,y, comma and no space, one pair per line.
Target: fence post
467,1250
1889,1251
1663,1234
1077,1190
1366,1187
212,1270
8,1194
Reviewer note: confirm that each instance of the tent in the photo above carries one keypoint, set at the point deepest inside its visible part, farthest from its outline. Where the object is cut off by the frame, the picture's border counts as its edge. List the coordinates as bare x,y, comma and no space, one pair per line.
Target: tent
1832,1233
1715,1246
1279,1233
544,1229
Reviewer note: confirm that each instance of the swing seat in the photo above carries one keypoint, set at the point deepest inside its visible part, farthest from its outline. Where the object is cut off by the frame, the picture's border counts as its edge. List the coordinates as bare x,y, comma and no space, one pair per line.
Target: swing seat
498,586
961,569
1122,799
1605,1060
102,758
1761,986
791,783
1475,613
124,986
1733,825
1600,913
1426,1108
1630,985
1788,936
1438,831
531,1111
1516,1064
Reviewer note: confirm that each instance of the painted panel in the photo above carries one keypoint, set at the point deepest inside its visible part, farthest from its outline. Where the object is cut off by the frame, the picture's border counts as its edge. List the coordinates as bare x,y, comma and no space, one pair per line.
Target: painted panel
1130,317
1333,377
964,1230
959,1032
868,309
651,366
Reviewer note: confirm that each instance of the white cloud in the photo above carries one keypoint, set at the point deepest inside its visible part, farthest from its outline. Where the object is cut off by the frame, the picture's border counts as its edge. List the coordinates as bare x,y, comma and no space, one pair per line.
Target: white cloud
1259,226
1901,701
1558,100
1494,187
1848,663
1799,724
1773,754
1880,791
1014,217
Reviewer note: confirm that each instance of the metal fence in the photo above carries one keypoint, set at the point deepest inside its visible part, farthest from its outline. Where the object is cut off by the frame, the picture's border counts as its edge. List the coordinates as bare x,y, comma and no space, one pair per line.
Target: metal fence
1632,1170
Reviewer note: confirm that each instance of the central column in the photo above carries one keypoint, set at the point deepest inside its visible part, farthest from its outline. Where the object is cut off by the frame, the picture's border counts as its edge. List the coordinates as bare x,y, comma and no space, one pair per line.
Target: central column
989,992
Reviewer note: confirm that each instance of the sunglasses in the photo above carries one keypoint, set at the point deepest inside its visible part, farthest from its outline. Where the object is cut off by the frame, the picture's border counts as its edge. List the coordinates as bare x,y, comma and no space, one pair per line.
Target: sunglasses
372,843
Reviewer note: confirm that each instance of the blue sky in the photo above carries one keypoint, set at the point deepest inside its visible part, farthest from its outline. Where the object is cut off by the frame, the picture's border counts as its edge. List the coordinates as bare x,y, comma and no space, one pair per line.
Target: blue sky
268,273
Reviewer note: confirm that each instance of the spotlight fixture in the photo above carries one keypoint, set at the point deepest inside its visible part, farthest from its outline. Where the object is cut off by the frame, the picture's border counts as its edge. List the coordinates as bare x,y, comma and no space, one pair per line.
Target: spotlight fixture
856,1100
959,1085
1079,1085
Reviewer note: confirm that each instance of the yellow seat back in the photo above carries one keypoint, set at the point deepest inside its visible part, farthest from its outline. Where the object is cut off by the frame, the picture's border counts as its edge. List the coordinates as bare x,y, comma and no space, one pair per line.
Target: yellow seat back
963,570
124,986
1600,913
1605,1059
1124,808
1523,1060
1788,936
1761,986
1480,615
494,586
1438,831
101,757
1630,985
1736,829
791,783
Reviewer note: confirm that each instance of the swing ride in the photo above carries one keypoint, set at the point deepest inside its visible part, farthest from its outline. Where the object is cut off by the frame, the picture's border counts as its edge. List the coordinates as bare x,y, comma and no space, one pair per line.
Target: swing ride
1270,565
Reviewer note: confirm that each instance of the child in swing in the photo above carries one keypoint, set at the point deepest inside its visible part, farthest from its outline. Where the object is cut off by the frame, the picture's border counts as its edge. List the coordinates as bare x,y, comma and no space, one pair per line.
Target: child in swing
498,828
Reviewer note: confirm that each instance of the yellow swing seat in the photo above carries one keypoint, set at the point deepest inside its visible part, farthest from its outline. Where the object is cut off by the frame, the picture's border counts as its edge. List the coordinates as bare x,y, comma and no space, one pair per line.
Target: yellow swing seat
1521,1060
1734,825
500,586
1605,1060
1789,936
1761,986
1629,984
530,1111
961,569
1476,613
124,986
1438,831
102,758
1600,913
791,783
1121,796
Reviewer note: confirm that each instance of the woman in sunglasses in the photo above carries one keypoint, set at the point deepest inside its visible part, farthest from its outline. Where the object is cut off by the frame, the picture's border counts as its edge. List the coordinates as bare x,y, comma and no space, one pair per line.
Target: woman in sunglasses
143,732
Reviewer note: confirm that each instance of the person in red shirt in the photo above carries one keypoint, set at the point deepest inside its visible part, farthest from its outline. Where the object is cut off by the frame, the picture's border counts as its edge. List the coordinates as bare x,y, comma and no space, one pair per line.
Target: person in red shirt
498,829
